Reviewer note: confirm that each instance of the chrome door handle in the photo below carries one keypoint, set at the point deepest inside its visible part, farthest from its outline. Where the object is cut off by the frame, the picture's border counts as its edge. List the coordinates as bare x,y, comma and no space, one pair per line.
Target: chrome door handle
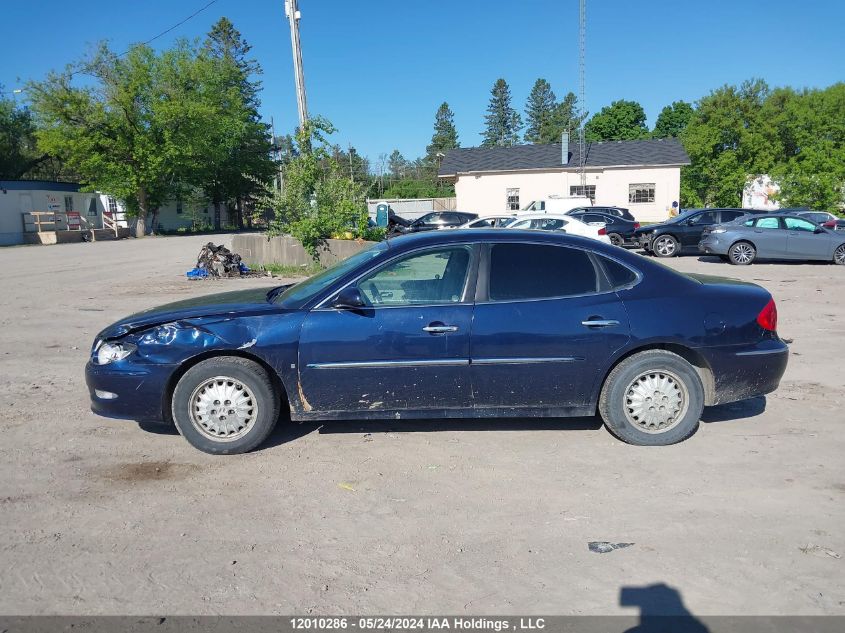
600,323
440,329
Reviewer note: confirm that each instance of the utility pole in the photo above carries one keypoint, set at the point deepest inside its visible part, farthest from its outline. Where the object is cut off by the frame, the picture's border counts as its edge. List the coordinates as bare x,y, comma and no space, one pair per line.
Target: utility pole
582,37
293,15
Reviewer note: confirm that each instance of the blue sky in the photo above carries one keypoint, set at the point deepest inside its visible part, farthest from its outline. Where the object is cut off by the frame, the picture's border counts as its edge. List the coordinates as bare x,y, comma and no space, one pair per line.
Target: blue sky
378,69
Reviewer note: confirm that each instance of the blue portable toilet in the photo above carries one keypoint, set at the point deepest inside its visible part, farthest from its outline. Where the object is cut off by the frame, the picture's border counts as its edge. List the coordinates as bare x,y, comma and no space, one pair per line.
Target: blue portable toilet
381,213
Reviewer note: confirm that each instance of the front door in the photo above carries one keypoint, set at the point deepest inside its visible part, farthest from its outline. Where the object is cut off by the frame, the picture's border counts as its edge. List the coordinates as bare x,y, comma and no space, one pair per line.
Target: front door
407,348
690,235
545,328
802,241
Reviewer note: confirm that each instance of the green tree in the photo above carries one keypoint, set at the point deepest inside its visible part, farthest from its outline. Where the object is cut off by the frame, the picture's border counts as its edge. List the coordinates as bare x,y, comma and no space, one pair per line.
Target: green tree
502,122
727,145
565,118
130,130
238,150
539,112
319,198
806,131
17,139
620,121
672,120
410,188
397,165
445,137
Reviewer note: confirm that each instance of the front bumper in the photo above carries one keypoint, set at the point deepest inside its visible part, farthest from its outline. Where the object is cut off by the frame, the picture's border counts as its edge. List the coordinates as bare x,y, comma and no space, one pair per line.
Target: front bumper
139,389
746,371
644,240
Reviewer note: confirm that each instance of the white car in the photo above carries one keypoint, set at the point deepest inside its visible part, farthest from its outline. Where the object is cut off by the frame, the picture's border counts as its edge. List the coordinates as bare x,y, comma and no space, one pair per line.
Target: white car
489,222
559,222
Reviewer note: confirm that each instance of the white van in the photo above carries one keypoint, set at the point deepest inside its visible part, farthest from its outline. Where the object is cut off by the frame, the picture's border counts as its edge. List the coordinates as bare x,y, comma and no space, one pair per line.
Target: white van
557,204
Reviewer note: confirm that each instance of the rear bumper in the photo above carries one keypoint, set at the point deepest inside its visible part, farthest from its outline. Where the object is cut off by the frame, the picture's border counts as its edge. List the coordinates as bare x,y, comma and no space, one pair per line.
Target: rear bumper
712,245
746,371
130,392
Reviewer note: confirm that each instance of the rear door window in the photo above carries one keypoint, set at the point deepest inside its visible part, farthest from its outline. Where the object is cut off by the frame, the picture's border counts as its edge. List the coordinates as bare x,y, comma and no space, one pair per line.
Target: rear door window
539,271
729,216
767,223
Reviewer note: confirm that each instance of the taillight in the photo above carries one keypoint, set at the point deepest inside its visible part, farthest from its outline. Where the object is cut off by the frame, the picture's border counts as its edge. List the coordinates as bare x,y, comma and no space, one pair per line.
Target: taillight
768,317
636,225
602,231
831,224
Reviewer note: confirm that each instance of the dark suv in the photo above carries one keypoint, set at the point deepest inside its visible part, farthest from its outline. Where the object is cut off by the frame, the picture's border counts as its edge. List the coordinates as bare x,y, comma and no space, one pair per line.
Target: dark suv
618,212
683,232
440,220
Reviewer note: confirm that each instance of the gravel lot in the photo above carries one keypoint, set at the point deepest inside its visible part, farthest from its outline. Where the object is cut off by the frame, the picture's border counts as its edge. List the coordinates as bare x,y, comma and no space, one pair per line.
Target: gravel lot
102,516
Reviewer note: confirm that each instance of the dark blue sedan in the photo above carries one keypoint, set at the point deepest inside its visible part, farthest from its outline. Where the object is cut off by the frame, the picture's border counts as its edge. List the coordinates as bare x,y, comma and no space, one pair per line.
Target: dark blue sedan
448,324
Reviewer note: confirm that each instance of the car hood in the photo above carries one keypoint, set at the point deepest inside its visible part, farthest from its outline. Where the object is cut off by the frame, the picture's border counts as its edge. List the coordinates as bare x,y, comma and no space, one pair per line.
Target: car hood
223,304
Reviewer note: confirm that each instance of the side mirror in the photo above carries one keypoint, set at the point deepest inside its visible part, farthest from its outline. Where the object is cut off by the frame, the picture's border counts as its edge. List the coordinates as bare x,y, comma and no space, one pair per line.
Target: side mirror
349,299
818,230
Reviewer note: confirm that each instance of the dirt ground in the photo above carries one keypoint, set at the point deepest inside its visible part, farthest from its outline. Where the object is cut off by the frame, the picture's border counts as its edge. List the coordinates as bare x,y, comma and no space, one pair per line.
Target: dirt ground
102,516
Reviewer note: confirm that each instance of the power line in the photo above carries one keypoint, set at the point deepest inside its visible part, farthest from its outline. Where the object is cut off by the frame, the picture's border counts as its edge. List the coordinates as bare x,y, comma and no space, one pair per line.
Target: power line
175,26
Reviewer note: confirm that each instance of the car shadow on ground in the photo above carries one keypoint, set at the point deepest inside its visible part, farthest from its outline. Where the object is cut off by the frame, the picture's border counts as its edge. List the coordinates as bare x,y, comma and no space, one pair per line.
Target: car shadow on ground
662,610
715,259
287,431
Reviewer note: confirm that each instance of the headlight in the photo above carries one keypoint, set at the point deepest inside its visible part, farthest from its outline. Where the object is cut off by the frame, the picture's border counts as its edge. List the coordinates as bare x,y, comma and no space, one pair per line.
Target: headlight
718,230
111,352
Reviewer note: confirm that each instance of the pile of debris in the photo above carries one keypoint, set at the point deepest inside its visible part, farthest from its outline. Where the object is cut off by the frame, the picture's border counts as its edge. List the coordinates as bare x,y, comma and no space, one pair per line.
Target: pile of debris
218,261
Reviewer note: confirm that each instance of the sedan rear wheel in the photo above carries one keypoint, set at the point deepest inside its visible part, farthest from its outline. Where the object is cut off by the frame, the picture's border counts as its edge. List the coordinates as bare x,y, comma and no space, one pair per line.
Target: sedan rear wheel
225,405
742,253
665,246
839,255
652,398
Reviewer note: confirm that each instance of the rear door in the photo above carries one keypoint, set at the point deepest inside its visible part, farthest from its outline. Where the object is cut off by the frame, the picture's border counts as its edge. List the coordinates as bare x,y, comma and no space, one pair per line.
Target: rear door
544,327
769,237
408,348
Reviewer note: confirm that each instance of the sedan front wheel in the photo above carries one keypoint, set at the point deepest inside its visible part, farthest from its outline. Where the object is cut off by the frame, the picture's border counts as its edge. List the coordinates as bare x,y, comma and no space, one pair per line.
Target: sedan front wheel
225,405
665,246
839,255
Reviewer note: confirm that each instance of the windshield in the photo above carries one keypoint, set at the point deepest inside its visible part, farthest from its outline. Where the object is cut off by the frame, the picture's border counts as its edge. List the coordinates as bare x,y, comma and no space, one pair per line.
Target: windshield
297,296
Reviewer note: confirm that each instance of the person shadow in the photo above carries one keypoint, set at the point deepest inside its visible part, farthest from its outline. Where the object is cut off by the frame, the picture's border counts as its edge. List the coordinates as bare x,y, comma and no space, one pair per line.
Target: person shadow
662,610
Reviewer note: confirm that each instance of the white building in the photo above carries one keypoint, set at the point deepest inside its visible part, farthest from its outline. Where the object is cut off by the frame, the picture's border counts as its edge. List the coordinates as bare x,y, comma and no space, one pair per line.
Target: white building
643,176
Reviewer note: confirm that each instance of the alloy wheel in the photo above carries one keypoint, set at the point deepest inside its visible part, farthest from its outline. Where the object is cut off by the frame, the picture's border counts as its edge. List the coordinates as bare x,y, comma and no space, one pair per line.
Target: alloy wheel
839,255
665,246
742,253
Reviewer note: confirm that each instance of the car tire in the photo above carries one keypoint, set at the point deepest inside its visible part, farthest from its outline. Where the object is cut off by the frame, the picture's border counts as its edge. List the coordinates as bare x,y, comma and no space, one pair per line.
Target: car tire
225,405
632,417
839,255
665,246
742,253
616,239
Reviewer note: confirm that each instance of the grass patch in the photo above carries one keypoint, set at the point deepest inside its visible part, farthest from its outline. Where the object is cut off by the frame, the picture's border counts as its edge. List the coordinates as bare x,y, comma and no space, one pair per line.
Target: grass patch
280,270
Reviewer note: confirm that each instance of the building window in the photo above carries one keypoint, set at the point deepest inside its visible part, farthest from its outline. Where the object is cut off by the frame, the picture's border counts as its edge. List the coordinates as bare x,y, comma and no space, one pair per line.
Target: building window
112,205
587,191
641,192
68,203
178,207
92,206
512,200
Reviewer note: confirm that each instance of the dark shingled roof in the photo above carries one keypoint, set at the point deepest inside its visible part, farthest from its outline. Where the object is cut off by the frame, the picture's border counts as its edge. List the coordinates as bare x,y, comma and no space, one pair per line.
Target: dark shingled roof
655,152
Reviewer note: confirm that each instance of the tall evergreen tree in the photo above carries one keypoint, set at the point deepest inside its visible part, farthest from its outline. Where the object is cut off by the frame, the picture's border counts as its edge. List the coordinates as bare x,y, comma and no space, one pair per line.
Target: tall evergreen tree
539,112
503,123
397,164
445,135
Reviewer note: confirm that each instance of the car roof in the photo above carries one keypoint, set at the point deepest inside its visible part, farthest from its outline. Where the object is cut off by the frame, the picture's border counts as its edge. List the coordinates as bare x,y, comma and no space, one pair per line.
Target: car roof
410,241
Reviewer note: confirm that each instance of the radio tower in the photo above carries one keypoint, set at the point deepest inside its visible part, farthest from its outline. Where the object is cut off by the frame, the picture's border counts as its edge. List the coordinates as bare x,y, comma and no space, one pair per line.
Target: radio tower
582,37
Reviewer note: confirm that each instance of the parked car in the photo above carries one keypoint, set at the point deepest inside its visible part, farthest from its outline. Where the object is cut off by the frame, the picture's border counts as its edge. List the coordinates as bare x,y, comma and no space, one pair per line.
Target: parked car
440,220
618,212
556,204
620,231
562,223
819,217
434,325
489,222
774,236
836,225
683,232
